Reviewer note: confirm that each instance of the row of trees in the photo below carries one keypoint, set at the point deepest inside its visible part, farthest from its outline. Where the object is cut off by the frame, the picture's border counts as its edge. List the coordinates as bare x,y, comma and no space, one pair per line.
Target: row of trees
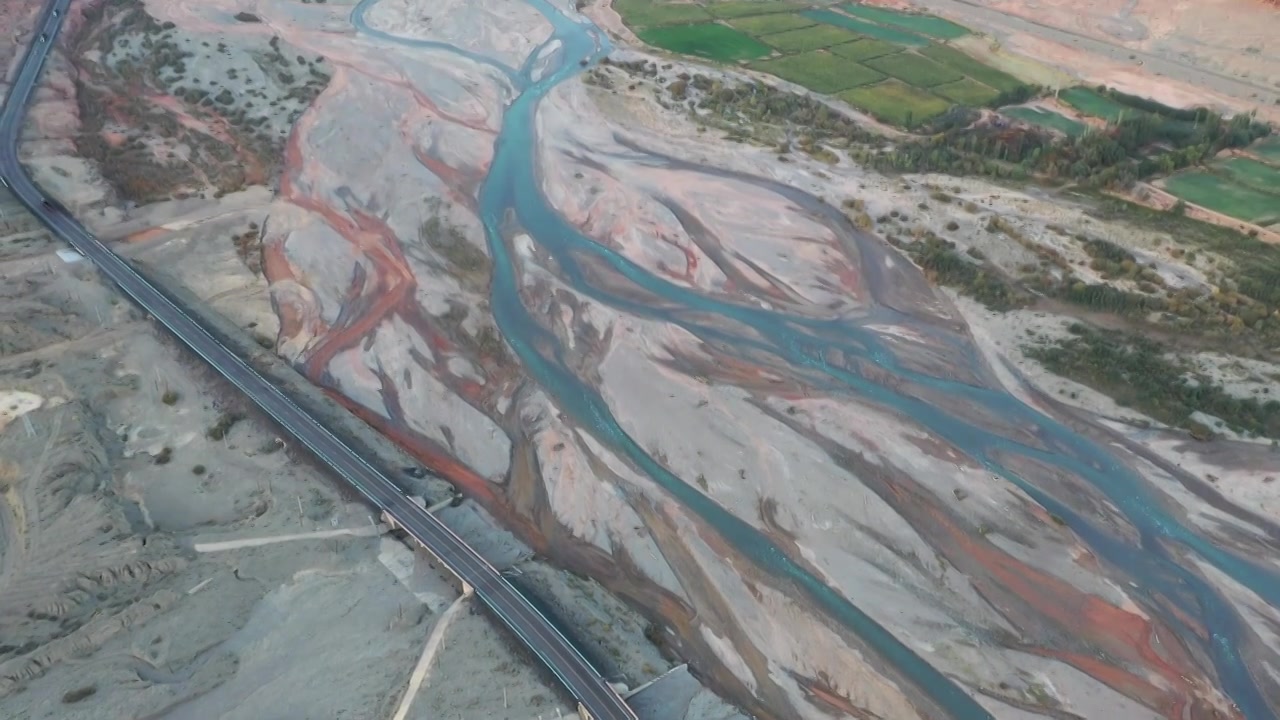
943,265
1138,146
1152,139
1227,310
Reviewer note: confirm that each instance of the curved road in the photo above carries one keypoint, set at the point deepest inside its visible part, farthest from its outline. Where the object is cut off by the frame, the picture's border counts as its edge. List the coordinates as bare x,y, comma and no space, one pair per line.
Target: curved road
512,608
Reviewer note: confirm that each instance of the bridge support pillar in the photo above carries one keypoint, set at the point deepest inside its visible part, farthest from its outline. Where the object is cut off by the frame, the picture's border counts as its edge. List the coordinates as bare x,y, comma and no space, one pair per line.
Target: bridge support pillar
584,713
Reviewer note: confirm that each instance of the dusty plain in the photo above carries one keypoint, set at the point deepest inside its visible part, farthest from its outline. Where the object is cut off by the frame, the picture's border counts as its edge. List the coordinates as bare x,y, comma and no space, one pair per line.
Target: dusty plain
1214,52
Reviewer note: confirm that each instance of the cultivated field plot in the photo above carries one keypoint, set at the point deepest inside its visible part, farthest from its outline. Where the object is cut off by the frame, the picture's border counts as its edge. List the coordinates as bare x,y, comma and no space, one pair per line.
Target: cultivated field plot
896,102
1091,103
879,32
707,40
830,52
966,92
648,13
743,8
864,49
810,38
972,67
1257,175
1221,195
1046,119
914,69
930,25
769,24
1268,149
820,71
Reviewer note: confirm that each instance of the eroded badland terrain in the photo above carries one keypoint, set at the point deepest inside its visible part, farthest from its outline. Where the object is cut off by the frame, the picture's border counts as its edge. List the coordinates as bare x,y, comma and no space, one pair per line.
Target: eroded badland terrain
859,418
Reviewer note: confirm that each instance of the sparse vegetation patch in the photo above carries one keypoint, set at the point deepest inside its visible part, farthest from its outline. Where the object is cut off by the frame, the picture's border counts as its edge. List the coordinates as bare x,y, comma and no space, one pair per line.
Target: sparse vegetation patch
150,150
1141,374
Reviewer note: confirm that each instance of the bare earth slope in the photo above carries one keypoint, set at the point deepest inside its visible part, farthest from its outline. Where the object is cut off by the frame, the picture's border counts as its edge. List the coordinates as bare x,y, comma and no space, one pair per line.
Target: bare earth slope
1182,53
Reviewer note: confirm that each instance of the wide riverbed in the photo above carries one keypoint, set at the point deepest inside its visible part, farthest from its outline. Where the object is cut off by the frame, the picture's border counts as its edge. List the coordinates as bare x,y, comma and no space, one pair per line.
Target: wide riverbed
850,357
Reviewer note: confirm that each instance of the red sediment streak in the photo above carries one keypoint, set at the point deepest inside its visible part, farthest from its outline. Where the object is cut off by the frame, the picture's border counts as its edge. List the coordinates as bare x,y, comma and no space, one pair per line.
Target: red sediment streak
1121,680
825,696
424,103
392,280
1191,623
725,369
215,127
469,390
449,468
690,262
428,107
849,277
1173,684
432,457
144,235
453,177
416,318
389,287
1119,633
275,265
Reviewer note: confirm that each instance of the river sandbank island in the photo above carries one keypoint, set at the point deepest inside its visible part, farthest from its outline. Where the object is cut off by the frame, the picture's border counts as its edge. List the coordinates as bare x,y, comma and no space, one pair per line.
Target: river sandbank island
837,432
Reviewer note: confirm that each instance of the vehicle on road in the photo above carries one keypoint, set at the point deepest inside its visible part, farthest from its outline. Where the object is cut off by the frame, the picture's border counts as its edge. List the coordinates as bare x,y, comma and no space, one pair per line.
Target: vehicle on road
4,181
44,37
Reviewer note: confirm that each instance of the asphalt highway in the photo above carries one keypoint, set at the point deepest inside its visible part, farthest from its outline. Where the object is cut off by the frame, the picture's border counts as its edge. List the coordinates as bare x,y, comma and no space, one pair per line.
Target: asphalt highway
508,604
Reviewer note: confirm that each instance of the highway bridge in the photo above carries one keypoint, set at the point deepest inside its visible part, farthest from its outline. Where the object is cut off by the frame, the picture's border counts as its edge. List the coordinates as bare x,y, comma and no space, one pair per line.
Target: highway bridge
596,698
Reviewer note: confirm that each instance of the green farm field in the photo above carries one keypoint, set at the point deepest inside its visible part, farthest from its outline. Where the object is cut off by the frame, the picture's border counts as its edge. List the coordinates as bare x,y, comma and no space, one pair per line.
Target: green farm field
830,52
864,49
708,40
1268,149
912,22
1091,103
914,69
768,24
819,71
647,13
1215,193
972,67
895,102
1260,176
1047,119
966,92
871,30
810,38
745,8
